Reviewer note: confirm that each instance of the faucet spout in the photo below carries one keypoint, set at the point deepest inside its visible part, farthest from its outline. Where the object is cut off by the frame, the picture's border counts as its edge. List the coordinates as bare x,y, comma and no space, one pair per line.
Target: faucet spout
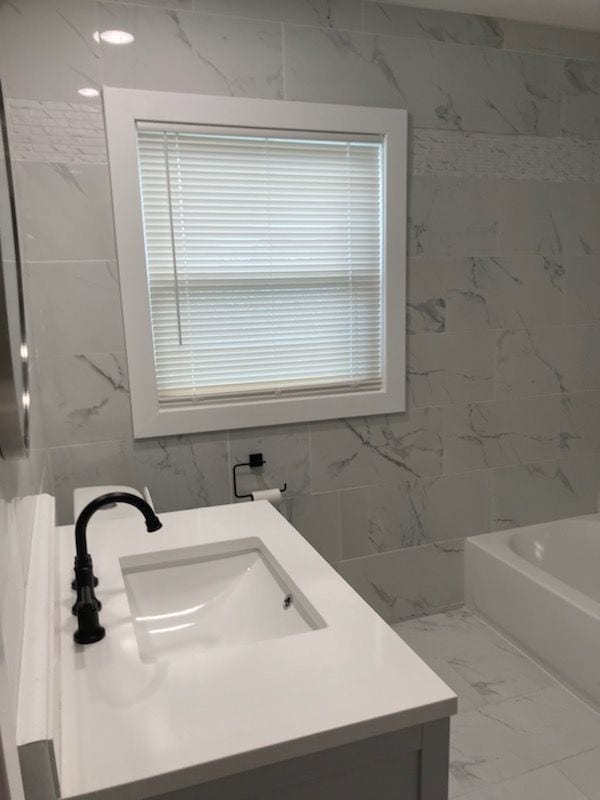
87,605
152,521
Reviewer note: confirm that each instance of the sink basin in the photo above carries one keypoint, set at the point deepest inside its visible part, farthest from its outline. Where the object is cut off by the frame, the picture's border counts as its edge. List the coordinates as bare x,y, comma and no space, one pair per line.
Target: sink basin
201,598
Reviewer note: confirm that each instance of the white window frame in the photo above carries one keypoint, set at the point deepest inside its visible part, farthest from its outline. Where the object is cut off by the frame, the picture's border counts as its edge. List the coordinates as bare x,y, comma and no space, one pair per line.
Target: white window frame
123,109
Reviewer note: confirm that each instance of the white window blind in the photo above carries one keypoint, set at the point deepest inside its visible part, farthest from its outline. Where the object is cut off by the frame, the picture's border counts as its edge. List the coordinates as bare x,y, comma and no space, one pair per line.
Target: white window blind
264,261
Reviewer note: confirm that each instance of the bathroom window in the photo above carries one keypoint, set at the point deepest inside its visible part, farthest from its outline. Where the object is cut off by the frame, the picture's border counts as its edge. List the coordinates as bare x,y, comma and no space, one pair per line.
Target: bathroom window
261,253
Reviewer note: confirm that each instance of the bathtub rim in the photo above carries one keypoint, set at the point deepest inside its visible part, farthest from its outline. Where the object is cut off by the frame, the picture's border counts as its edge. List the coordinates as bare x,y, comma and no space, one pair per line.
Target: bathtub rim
497,545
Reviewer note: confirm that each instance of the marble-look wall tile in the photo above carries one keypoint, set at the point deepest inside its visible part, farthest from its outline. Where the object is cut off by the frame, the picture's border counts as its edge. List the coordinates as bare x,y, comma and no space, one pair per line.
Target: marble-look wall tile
580,423
581,110
549,218
48,50
452,216
408,583
462,88
497,434
65,212
377,519
183,471
180,472
361,69
497,292
369,450
75,306
317,518
473,29
285,449
548,360
530,37
450,368
322,13
185,52
498,92
582,303
524,495
426,295
95,464
439,26
442,86
85,398
176,5
503,234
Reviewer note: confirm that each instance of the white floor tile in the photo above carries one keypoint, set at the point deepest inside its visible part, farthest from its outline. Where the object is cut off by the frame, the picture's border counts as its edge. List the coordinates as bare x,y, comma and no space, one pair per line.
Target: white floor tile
497,675
503,740
484,750
514,719
584,771
476,662
541,784
469,698
444,635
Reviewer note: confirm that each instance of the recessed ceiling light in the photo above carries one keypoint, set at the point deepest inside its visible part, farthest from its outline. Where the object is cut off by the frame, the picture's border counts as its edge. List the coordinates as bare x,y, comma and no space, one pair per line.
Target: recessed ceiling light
116,37
88,91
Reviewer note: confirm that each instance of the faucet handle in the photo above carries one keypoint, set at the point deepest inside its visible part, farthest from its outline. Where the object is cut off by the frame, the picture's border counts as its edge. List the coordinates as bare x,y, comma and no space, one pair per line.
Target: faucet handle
87,562
89,629
148,498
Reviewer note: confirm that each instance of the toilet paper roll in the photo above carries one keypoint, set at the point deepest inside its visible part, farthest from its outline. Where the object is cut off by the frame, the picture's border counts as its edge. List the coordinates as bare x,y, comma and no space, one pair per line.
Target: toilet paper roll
272,495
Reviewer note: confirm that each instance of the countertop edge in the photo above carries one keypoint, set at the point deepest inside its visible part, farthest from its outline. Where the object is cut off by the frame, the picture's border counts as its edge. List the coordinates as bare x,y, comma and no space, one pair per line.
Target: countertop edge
37,680
197,775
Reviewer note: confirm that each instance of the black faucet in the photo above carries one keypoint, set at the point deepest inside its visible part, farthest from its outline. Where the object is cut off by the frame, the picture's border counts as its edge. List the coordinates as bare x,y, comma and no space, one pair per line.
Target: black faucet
87,604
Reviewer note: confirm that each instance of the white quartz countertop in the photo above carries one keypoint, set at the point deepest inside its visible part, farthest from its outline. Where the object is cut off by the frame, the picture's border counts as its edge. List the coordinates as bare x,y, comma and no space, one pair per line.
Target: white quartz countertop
130,729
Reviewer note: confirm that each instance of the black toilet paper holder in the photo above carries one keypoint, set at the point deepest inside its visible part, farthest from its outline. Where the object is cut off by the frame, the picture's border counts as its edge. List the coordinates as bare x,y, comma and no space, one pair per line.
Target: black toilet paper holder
255,460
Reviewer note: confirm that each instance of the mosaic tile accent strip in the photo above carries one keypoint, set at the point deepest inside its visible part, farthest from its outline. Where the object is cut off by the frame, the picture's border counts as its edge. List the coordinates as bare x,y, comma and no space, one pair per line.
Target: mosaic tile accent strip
482,155
56,132
73,133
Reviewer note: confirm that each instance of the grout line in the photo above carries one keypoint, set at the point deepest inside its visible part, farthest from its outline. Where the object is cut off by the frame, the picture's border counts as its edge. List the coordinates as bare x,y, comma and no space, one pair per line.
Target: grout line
476,794
229,472
340,533
539,664
553,678
310,462
71,261
283,63
411,548
361,29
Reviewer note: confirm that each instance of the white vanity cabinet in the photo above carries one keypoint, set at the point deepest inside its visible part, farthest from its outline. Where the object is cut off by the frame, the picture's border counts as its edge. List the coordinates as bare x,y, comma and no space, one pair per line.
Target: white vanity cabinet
237,665
411,764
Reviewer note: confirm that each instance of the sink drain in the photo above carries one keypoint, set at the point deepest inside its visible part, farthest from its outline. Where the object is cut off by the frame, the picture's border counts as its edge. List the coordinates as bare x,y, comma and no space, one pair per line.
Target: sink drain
287,601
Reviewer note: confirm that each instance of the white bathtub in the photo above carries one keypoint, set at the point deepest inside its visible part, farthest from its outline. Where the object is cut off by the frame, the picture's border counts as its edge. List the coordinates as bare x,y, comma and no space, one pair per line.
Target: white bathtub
541,586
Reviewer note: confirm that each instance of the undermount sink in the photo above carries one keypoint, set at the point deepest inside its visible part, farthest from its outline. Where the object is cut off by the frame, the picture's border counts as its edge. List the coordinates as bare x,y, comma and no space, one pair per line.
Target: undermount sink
202,598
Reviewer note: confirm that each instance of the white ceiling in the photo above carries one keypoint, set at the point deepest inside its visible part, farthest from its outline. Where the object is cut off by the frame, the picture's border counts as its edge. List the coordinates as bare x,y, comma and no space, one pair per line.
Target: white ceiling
583,14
